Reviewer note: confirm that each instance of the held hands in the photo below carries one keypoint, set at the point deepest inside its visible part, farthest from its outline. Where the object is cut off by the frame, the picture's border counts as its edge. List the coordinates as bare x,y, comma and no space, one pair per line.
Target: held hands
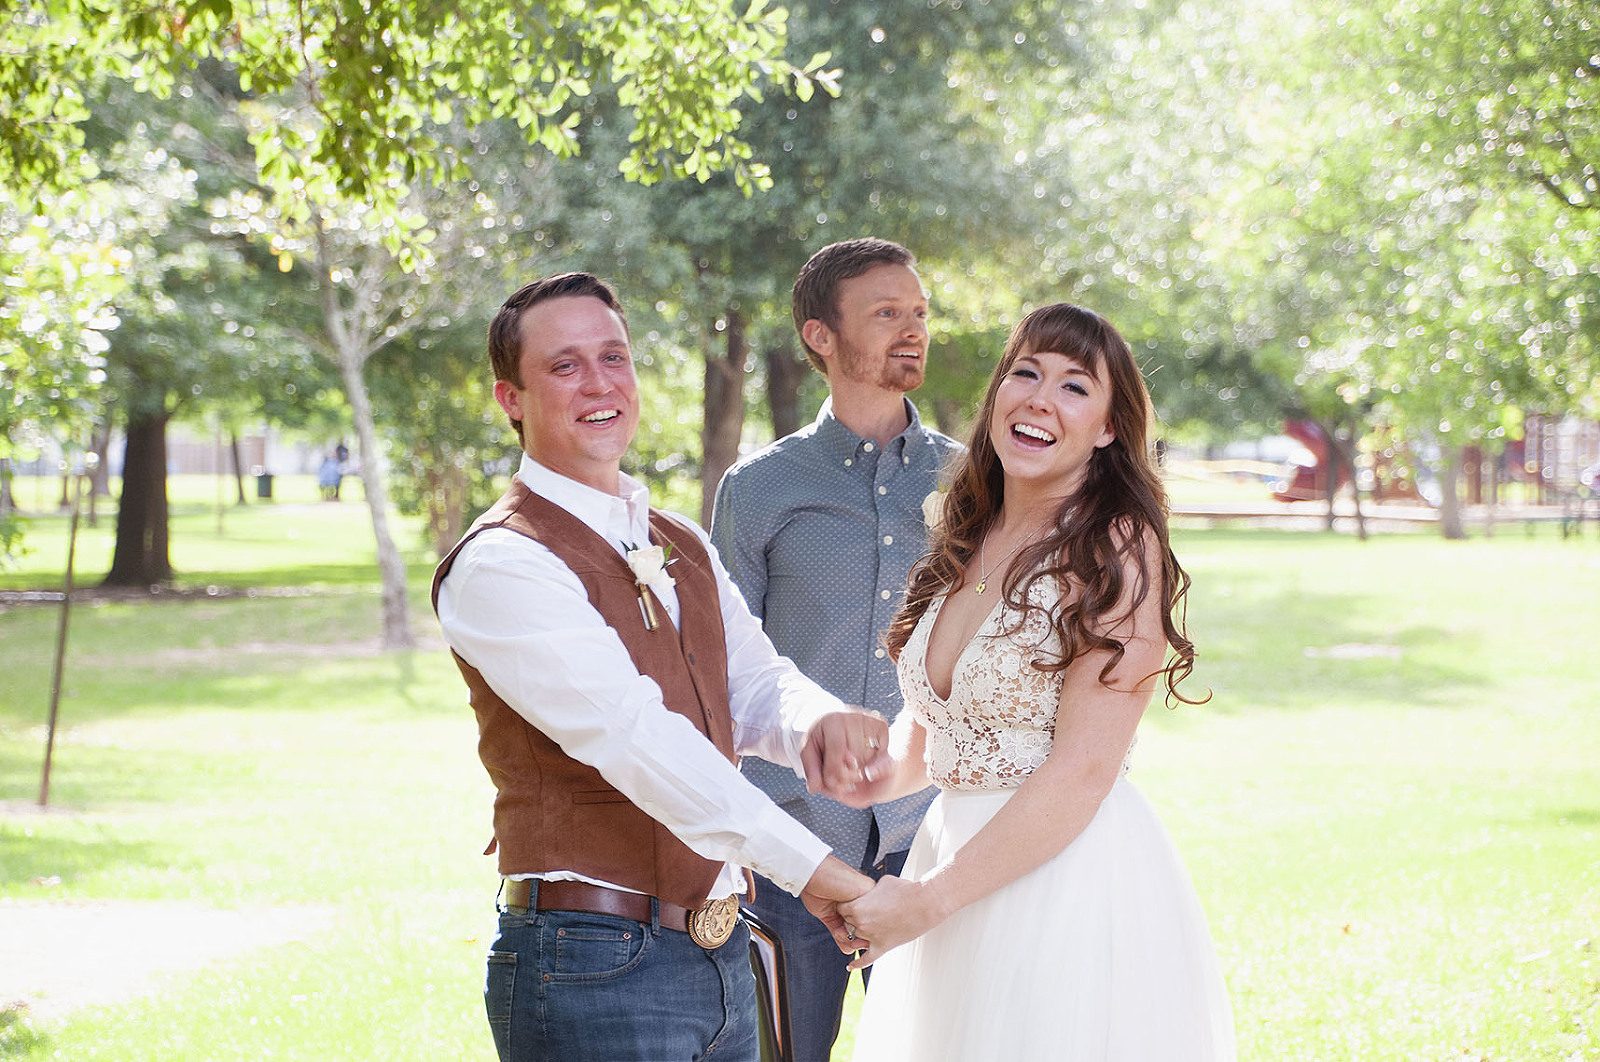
844,754
831,884
895,911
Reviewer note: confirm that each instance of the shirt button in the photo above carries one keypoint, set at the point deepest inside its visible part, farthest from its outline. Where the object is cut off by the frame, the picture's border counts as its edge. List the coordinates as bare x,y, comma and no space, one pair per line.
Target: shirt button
888,540
883,490
879,653
868,447
904,460
884,594
848,462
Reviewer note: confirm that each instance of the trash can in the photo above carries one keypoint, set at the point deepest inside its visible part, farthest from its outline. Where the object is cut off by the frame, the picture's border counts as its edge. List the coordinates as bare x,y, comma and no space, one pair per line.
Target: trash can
264,485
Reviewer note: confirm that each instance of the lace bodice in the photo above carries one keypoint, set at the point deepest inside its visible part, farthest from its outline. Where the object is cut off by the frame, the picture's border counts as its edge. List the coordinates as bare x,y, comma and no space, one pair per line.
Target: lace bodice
998,724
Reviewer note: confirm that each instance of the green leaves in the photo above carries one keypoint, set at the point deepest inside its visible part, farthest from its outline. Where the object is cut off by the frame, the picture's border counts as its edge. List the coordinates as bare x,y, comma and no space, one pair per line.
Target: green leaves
349,91
63,268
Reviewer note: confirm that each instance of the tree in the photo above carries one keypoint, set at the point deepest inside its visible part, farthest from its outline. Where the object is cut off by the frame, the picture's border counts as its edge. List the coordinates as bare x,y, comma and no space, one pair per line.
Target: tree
452,445
1139,140
1266,202
1513,87
194,307
914,148
62,267
372,90
1484,122
367,301
349,131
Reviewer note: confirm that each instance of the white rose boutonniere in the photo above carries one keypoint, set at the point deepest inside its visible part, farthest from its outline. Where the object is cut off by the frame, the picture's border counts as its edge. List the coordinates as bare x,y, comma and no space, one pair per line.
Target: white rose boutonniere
933,508
649,567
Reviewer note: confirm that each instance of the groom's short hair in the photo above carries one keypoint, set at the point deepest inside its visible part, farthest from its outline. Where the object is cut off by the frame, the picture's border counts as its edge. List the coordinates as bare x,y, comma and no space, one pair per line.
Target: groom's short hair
505,331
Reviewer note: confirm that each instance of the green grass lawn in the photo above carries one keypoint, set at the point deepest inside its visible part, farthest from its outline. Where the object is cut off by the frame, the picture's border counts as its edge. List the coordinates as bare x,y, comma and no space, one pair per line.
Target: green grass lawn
1391,808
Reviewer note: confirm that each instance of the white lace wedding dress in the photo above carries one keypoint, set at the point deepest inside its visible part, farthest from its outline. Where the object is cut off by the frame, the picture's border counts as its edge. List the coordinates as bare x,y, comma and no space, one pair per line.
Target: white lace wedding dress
1100,955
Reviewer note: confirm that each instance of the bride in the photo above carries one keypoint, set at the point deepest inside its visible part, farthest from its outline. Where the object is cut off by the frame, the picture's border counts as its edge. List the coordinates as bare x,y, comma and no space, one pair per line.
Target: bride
1043,912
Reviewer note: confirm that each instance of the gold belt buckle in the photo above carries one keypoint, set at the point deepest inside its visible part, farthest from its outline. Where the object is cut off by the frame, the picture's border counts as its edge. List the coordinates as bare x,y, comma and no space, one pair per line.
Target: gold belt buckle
712,924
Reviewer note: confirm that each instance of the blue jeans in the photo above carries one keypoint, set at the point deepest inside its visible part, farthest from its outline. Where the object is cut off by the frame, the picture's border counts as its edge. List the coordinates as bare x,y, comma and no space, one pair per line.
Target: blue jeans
813,965
565,986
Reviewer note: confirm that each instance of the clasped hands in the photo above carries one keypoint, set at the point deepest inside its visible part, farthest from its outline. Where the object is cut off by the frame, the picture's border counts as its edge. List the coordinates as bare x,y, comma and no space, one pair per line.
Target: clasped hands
846,757
869,918
844,753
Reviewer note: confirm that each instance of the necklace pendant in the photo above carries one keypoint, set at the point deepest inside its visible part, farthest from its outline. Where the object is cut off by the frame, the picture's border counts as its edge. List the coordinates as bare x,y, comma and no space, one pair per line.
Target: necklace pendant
981,584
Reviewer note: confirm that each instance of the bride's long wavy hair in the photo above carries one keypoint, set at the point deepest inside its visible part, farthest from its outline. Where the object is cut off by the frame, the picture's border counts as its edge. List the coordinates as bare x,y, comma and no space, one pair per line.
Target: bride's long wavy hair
1106,521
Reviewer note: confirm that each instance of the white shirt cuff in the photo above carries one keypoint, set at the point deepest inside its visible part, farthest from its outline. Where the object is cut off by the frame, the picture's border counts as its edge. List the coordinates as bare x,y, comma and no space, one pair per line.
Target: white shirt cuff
786,851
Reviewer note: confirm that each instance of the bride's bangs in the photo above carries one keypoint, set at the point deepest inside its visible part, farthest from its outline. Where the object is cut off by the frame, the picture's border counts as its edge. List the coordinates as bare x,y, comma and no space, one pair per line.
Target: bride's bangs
1080,334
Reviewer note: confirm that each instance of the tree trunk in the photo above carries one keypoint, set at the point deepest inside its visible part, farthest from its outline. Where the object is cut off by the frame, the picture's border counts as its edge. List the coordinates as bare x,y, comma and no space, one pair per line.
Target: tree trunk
785,371
948,416
141,557
724,412
1330,472
8,510
1343,452
391,568
238,466
1355,495
1492,501
100,471
1450,493
445,500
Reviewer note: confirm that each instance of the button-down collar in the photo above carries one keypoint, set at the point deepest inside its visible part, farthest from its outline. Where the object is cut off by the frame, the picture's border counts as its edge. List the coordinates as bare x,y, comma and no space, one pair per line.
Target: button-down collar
846,447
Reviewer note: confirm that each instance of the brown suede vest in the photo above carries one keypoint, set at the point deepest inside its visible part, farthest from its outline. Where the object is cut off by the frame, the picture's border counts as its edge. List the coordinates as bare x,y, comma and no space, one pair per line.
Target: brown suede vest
552,812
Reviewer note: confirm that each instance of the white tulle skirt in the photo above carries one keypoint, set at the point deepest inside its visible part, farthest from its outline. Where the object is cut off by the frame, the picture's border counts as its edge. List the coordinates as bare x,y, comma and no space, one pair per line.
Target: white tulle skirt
1100,955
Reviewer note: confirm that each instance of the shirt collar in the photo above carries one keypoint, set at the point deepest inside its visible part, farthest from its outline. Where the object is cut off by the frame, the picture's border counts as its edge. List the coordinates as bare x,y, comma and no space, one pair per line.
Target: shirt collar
841,443
604,514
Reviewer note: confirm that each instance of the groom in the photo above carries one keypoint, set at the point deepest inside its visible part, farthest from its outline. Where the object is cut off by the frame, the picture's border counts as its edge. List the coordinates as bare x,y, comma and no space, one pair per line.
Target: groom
617,675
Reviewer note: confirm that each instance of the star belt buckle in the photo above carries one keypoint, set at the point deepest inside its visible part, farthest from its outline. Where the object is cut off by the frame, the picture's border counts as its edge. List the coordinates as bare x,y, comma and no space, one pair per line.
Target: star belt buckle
712,924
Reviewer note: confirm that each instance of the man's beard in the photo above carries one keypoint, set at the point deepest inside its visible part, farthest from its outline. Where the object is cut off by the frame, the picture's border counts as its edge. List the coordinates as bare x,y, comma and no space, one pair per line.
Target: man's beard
893,374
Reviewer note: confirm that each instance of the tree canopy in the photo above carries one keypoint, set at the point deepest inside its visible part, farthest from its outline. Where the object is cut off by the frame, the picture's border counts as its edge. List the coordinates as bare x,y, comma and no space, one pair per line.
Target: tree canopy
1380,216
352,116
370,83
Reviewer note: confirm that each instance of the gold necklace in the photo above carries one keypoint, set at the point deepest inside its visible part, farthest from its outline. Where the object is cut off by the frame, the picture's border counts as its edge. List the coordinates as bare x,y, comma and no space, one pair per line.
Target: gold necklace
983,577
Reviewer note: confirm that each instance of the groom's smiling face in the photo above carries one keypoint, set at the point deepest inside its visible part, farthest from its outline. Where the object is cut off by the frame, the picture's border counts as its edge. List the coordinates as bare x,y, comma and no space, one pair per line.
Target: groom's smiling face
578,398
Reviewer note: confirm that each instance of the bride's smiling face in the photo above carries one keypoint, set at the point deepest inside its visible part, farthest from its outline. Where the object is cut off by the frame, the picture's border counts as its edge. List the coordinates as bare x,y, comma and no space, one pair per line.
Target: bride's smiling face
1051,413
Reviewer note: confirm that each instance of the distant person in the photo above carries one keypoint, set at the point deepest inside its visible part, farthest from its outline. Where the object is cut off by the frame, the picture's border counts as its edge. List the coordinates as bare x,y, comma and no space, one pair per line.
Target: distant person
818,530
329,473
1044,913
617,676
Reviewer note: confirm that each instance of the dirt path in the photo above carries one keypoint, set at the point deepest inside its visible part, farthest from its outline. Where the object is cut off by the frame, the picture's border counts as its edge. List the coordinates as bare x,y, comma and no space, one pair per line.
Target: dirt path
59,955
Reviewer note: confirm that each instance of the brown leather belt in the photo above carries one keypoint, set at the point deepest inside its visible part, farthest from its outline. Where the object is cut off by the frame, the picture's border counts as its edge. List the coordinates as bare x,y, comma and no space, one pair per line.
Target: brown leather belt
580,896
709,927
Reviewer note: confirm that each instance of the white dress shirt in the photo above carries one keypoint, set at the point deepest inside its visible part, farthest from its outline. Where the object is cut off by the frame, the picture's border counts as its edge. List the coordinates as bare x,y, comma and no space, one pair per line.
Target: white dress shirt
515,612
